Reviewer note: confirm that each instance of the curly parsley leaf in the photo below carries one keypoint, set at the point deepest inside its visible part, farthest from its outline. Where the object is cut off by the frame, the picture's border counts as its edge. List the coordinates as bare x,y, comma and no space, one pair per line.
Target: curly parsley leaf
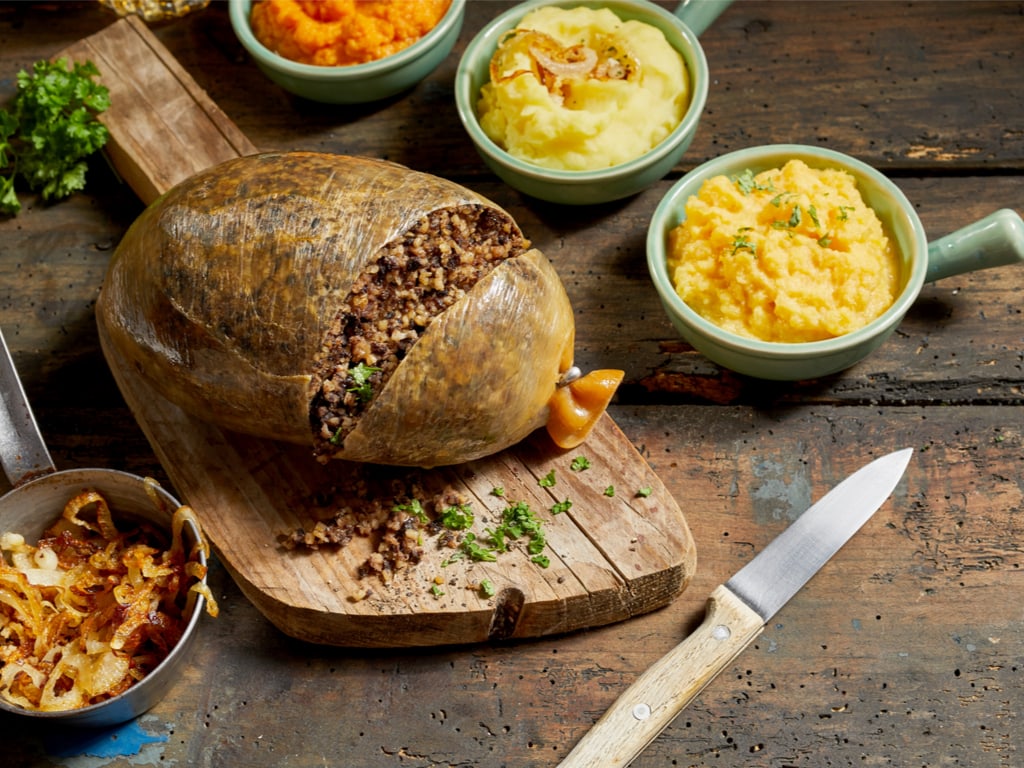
50,130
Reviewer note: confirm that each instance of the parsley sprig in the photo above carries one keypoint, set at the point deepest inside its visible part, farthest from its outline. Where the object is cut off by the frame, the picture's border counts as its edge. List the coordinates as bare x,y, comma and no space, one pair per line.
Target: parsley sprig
50,130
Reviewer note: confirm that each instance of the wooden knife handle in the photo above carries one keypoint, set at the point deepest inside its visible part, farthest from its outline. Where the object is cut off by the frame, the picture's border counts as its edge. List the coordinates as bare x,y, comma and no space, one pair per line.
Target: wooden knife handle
652,702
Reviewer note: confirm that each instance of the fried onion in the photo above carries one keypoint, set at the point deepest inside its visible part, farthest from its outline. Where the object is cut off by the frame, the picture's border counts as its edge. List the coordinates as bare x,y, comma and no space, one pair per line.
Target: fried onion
556,66
90,610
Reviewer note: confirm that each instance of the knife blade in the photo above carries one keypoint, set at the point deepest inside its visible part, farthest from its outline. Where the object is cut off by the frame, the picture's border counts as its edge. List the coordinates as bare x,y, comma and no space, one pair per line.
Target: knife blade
736,613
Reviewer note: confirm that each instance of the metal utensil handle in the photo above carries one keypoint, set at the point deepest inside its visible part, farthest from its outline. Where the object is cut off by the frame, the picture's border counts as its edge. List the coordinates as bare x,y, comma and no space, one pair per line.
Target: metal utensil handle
22,450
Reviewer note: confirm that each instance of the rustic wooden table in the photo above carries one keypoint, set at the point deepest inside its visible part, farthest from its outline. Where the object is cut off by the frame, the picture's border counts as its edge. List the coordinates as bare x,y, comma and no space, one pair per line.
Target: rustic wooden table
906,649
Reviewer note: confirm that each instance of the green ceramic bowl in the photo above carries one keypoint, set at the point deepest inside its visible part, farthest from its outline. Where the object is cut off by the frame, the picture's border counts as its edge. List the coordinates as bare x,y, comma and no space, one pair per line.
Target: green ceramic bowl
589,187
357,83
994,241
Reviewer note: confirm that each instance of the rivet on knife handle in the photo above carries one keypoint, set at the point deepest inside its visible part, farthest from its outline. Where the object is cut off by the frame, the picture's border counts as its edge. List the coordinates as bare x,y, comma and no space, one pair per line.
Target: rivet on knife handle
647,707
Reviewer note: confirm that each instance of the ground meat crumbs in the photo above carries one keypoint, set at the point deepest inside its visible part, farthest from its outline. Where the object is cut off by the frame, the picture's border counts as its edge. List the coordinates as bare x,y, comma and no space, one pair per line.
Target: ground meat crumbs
399,523
413,279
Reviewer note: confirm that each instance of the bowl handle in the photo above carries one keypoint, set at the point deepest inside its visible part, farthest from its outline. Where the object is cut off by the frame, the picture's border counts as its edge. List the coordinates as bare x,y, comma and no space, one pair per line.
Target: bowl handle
699,14
994,241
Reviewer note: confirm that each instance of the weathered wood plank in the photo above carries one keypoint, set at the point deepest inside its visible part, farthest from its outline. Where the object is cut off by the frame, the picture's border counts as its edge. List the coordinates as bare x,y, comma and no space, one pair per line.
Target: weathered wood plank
906,650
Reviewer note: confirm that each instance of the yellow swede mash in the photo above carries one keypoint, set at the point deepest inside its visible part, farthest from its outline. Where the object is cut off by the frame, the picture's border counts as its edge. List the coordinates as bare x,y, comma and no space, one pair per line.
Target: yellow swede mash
786,255
581,89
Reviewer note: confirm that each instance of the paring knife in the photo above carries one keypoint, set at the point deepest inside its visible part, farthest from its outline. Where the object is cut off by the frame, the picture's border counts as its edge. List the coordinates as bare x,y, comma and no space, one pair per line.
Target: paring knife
737,611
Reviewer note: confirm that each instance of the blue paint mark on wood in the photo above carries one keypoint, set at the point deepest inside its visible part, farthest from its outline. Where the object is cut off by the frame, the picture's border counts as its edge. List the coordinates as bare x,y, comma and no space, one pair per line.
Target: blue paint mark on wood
120,741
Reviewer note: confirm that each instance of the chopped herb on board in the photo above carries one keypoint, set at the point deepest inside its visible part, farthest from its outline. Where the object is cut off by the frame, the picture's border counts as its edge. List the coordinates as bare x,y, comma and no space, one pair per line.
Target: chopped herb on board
457,517
518,521
560,507
580,464
548,481
50,130
644,492
472,549
415,509
609,491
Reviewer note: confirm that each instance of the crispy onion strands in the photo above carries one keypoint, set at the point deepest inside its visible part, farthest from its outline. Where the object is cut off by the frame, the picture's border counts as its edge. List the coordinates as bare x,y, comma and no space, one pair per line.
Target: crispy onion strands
91,610
553,64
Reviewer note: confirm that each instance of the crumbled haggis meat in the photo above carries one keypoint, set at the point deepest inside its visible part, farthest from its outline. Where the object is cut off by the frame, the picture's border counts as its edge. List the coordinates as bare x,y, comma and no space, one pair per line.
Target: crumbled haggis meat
399,535
413,279
449,539
332,533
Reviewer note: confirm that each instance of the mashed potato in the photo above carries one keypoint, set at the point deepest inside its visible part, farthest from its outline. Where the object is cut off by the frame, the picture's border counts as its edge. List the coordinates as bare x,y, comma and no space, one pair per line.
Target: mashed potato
334,33
581,89
789,255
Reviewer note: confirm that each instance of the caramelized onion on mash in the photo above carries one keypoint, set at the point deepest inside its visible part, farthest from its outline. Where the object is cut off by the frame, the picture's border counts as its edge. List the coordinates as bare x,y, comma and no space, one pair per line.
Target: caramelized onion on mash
581,89
792,254
92,609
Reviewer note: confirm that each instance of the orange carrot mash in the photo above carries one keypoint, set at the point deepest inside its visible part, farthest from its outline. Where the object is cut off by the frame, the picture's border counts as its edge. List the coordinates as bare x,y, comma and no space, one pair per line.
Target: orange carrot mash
341,32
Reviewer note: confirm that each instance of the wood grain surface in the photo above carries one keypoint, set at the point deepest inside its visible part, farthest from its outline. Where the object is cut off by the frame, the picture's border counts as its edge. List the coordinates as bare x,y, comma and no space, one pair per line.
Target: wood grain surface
906,650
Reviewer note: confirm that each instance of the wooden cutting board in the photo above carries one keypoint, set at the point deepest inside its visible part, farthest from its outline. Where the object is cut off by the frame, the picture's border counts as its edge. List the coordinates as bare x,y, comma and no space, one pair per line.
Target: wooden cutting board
622,549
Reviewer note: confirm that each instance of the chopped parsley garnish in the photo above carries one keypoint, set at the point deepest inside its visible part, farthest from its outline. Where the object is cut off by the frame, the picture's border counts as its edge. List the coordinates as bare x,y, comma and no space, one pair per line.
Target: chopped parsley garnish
487,588
472,549
794,220
457,518
415,509
548,481
436,590
360,376
644,492
560,507
742,243
497,491
518,521
844,214
579,464
609,491
747,183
